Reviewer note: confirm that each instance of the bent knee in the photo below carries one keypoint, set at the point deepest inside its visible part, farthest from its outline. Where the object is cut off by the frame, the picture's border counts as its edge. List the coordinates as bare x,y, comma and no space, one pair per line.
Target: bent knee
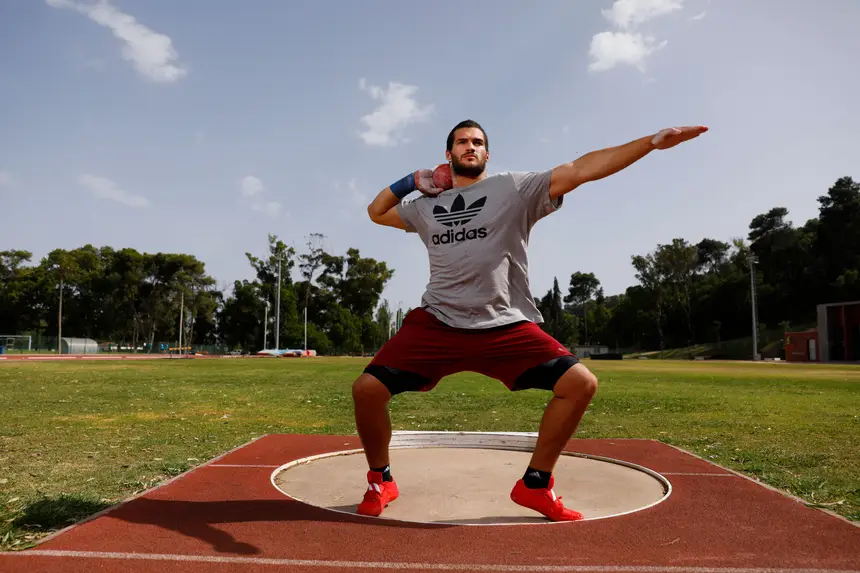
577,381
367,388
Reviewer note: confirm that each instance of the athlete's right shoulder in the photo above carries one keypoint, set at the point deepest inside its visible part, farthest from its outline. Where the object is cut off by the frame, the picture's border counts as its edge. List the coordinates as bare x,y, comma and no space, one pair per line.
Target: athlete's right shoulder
411,212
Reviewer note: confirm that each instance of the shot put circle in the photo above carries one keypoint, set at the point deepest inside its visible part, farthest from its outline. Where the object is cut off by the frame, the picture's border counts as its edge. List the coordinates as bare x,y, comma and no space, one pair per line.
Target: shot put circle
465,478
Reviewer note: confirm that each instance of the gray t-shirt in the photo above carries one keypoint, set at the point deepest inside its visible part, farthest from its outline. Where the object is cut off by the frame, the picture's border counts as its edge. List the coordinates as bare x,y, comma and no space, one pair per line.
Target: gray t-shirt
477,242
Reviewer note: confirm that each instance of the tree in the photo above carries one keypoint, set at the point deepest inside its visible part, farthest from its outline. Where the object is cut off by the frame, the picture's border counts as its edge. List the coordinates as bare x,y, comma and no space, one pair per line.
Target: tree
310,262
13,290
711,255
385,320
837,244
599,317
678,261
241,317
557,323
582,287
651,276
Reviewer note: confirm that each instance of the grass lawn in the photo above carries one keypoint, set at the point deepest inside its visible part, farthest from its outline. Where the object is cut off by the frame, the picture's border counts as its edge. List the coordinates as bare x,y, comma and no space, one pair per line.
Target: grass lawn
78,437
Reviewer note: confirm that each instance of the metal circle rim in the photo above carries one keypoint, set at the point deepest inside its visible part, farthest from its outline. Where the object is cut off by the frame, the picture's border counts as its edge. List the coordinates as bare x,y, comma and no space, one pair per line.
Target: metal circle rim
516,441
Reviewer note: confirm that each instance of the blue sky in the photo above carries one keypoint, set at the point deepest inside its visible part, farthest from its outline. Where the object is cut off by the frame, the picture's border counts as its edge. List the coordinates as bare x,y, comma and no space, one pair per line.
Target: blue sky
202,125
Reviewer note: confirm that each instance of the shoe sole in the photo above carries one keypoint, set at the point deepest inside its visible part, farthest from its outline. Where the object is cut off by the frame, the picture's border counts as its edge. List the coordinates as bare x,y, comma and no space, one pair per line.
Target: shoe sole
542,513
358,512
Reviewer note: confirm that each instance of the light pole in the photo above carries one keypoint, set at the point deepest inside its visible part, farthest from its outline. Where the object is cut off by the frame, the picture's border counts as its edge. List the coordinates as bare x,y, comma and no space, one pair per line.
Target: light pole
60,320
752,259
58,267
278,310
181,311
266,326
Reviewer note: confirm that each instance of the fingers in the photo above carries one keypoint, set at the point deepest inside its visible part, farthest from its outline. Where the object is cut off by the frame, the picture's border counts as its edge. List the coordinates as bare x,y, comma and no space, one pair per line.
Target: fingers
694,130
691,132
672,136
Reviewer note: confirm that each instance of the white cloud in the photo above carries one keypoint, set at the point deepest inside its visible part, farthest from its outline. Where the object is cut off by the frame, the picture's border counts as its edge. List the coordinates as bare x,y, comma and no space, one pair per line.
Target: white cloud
250,186
626,14
253,189
699,16
151,53
626,46
609,49
397,109
106,189
5,178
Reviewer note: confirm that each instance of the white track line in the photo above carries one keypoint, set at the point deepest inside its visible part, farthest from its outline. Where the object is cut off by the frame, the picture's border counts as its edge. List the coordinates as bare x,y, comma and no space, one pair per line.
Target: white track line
422,566
241,466
699,474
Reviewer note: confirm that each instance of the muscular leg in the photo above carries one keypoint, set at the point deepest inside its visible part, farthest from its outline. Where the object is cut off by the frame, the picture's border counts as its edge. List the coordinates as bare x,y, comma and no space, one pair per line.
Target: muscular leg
572,393
372,420
408,362
573,387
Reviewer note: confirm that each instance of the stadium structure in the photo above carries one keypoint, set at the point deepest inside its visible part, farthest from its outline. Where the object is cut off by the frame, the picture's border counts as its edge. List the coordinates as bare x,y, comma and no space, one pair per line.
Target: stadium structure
835,339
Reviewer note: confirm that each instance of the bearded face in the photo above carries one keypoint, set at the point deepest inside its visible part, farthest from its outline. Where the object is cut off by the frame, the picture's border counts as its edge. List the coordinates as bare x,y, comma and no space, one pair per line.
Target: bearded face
468,154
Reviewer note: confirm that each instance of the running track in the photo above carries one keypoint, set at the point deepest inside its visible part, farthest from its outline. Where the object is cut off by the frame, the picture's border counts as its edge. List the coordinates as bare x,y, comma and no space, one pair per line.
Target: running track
108,356
225,516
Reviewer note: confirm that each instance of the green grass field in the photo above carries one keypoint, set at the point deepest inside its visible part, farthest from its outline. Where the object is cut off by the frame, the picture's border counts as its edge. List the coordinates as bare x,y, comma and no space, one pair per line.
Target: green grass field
78,437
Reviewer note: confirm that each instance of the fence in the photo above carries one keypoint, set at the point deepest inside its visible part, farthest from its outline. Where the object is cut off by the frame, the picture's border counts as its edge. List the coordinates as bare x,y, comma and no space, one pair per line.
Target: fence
36,343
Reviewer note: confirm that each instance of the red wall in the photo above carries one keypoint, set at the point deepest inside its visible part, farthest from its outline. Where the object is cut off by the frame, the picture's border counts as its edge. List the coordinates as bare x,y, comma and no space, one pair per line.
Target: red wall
797,346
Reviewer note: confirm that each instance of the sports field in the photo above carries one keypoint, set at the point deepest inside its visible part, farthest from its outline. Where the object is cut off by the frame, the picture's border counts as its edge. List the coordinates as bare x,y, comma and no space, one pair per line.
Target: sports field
78,437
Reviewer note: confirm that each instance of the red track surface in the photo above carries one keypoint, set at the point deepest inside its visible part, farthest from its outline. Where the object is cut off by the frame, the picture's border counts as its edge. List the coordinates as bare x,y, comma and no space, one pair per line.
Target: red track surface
51,357
226,516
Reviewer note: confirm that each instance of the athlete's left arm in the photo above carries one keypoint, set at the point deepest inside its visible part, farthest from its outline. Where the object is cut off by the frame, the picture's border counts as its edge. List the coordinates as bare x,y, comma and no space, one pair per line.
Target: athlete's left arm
605,162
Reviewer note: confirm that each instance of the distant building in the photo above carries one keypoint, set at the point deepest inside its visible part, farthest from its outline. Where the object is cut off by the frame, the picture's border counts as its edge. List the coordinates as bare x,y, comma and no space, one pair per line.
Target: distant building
836,338
839,331
585,351
79,346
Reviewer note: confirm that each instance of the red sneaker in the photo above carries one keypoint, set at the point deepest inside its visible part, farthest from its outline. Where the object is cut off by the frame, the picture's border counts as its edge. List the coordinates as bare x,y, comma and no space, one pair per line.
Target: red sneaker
378,495
543,501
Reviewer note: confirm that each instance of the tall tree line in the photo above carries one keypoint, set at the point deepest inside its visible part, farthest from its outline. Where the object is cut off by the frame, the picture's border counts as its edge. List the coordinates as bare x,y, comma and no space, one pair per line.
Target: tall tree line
692,293
685,293
144,300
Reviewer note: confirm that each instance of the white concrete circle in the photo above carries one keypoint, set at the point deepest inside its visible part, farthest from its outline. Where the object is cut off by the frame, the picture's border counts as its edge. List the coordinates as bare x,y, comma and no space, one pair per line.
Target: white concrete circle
465,478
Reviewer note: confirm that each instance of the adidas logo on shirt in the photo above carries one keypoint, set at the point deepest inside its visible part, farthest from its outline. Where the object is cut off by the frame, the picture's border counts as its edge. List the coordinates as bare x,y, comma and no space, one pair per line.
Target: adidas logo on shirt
457,216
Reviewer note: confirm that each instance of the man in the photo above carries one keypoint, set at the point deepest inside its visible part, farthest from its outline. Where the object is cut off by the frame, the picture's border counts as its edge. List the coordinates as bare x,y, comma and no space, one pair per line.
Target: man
477,313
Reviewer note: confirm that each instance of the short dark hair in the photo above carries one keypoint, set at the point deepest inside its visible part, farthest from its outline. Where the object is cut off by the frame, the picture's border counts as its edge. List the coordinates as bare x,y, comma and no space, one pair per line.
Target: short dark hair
462,124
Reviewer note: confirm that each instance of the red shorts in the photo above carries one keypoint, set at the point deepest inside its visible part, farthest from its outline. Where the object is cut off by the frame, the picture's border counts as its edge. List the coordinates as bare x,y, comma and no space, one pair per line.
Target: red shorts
425,350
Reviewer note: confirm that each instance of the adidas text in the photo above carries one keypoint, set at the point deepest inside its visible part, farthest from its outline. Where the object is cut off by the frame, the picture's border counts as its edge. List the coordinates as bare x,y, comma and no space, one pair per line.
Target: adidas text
452,236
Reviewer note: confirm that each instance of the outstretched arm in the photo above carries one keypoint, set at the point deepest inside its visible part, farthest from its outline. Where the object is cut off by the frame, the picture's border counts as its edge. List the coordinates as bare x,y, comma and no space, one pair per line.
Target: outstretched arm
605,162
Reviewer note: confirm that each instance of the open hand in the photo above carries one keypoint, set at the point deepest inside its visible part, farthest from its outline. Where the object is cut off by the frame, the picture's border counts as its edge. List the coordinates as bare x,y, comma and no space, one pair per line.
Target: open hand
424,183
672,136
